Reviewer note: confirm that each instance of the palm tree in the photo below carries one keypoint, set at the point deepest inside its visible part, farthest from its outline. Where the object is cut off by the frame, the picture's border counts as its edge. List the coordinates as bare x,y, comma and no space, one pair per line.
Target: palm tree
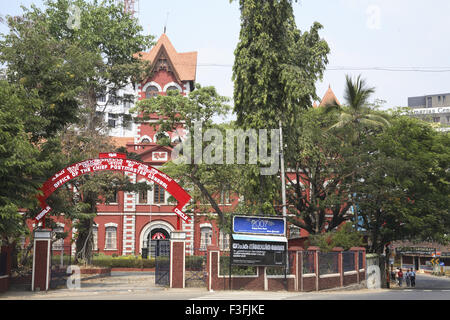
356,114
355,118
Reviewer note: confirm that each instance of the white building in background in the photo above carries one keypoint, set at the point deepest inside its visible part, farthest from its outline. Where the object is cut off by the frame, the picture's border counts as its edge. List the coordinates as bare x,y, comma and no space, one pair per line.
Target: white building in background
114,110
432,108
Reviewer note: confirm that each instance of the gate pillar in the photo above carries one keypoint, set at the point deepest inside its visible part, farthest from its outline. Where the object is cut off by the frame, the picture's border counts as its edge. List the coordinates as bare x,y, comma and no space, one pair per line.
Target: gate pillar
41,260
177,259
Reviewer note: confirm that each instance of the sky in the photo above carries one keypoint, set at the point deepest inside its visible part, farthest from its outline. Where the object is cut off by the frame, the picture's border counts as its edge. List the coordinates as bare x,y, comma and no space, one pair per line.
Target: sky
400,47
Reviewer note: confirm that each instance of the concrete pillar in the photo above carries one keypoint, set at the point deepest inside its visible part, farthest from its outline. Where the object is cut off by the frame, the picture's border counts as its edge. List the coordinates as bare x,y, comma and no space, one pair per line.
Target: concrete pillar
212,267
340,266
177,259
316,264
355,251
296,266
41,260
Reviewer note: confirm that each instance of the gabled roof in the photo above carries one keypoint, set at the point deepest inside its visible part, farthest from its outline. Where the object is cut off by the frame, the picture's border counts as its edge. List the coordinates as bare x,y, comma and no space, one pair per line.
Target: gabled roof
329,98
185,63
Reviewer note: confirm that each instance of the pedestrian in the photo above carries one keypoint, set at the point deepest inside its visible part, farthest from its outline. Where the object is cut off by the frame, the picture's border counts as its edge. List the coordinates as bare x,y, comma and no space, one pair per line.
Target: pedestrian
407,278
413,278
400,277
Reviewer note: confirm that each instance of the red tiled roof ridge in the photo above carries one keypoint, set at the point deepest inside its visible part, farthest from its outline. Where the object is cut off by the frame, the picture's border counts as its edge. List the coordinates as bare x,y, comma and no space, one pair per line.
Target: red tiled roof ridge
185,63
329,98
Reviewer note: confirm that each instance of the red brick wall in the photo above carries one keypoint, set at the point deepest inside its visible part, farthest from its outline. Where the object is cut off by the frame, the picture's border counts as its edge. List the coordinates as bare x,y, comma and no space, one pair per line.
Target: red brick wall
4,283
295,282
177,254
41,265
5,279
309,284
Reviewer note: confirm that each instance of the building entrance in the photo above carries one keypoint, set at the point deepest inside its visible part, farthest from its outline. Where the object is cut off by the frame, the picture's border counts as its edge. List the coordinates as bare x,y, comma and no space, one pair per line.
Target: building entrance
158,243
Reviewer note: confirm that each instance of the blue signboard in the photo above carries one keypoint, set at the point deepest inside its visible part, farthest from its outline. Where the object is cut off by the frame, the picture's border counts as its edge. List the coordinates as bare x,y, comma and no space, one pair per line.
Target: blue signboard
259,225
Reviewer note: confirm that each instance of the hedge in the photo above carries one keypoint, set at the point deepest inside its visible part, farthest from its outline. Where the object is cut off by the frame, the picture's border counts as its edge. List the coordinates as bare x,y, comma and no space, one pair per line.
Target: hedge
122,262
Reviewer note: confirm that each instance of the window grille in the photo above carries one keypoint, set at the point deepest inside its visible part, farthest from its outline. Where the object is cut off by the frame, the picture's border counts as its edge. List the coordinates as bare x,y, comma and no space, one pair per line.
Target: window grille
111,238
158,194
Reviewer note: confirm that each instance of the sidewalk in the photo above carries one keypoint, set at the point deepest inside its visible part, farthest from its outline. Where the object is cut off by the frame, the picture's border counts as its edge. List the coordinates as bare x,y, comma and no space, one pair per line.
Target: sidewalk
139,286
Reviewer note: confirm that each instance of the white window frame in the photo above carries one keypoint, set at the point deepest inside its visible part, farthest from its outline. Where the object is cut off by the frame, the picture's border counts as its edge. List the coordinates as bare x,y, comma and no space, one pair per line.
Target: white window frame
114,243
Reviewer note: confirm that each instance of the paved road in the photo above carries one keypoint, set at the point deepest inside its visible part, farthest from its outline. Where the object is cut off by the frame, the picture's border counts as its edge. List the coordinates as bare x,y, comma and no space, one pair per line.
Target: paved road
141,287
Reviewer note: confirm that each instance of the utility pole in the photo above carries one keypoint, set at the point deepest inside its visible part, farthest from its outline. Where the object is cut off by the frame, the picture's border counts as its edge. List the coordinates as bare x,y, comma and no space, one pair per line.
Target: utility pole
283,198
283,180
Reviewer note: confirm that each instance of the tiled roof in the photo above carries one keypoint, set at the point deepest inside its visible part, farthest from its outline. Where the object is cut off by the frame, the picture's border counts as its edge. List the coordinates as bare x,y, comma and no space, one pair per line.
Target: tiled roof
329,98
185,63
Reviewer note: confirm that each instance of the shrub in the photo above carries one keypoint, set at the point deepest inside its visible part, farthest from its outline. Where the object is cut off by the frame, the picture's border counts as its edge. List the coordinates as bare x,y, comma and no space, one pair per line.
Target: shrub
122,262
194,262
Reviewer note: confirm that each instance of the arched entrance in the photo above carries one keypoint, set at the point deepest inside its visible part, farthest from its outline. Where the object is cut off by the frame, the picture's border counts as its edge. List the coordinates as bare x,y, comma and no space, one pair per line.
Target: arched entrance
110,162
158,243
155,239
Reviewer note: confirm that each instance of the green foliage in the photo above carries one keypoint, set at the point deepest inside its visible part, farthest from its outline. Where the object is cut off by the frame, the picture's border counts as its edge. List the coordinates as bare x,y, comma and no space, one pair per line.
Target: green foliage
70,66
63,68
194,113
129,261
404,193
357,117
19,162
235,270
321,168
275,70
345,237
276,66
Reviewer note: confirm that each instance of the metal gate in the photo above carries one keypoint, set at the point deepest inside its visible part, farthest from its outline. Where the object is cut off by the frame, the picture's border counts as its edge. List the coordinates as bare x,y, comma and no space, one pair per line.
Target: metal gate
60,259
162,262
195,269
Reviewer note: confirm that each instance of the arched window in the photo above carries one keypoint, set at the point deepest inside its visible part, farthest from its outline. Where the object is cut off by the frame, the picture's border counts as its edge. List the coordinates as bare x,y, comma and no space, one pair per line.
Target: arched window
95,238
172,88
145,140
58,244
205,237
224,241
151,91
111,238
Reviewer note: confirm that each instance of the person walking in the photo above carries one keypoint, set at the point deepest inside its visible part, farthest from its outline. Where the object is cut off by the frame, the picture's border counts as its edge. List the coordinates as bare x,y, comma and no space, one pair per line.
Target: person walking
400,277
412,276
407,278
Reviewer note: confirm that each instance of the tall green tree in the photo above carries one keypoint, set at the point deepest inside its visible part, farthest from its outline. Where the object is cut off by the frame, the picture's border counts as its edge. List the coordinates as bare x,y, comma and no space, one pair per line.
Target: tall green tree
318,182
65,56
195,167
357,120
78,199
276,65
71,52
20,161
357,114
275,70
403,194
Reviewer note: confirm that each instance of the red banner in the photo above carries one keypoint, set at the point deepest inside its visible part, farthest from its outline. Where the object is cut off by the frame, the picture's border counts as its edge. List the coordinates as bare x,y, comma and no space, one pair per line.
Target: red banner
115,162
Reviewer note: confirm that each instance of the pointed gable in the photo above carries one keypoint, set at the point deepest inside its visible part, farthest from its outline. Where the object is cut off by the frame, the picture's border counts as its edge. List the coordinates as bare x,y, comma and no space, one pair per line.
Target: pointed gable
184,64
329,98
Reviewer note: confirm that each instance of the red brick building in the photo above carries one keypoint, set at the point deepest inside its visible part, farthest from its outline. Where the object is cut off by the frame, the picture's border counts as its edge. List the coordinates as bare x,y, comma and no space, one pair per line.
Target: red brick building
126,225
